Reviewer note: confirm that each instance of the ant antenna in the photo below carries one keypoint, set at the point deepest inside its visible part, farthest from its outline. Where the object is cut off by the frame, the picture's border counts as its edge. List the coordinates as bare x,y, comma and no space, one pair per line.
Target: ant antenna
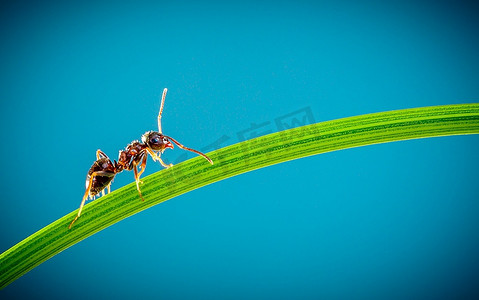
161,109
189,149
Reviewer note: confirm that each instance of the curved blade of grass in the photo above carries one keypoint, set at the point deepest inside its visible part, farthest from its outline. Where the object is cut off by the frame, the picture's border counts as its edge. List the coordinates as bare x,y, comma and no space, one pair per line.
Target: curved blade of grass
233,160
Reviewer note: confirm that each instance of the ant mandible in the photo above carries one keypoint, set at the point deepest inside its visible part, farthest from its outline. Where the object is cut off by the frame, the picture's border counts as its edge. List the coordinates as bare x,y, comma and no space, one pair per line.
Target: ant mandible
134,157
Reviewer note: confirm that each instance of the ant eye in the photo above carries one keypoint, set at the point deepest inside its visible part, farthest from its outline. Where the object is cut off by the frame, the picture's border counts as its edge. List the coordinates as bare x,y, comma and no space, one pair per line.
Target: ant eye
155,140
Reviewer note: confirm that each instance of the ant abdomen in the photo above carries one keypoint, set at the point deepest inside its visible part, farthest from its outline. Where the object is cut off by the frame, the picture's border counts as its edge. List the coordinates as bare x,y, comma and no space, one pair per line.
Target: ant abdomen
104,172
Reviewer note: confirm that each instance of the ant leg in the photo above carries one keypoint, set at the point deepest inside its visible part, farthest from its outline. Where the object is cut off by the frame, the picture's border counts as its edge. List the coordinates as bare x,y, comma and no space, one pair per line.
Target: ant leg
137,180
87,192
161,109
153,154
189,149
163,163
108,189
158,158
142,167
137,173
100,154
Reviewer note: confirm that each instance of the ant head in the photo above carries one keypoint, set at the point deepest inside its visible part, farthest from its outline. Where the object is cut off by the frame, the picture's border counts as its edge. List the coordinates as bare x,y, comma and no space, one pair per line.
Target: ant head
156,141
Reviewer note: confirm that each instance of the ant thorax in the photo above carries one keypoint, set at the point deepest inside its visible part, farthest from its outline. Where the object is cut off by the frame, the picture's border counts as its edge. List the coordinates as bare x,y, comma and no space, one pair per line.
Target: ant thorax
130,154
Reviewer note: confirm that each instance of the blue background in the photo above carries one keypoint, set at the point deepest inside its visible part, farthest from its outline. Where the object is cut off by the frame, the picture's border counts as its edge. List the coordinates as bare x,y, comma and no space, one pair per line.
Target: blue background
397,220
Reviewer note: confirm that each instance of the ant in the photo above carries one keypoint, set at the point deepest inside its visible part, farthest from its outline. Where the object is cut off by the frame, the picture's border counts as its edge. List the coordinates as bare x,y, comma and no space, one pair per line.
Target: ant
103,170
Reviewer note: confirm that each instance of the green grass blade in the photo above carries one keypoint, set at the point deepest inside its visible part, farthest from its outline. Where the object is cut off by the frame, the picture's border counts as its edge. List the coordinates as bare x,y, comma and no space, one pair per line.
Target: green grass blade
233,160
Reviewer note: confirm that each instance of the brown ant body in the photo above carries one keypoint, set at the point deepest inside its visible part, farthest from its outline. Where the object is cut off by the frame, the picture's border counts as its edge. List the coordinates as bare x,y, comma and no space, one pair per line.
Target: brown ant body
134,157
